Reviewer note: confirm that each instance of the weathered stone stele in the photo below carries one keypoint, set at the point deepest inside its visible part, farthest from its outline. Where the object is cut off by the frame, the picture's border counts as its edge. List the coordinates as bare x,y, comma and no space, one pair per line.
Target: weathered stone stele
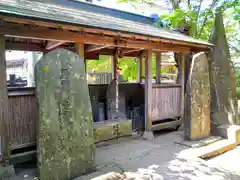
113,112
223,78
65,137
198,99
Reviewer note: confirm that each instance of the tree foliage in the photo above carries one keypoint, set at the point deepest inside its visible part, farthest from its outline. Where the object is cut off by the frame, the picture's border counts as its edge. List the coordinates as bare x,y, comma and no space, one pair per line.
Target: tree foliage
189,15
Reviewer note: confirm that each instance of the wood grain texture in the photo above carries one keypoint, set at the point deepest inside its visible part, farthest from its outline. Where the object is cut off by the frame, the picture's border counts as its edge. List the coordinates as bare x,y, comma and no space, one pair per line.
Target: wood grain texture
166,103
140,67
4,123
23,115
148,90
158,67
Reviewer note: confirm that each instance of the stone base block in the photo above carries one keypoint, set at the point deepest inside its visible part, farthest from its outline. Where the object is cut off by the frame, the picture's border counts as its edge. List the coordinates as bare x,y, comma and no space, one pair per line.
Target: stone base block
230,132
112,130
6,172
105,131
148,135
124,128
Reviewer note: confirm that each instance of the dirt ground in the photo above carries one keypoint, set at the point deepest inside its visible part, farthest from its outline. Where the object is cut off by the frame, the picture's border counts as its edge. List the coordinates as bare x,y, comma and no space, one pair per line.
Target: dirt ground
160,159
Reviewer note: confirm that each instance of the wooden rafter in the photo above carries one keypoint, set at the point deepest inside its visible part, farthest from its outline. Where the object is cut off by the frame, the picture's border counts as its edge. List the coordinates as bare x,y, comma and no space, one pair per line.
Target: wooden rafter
100,31
18,30
53,44
14,46
91,48
130,51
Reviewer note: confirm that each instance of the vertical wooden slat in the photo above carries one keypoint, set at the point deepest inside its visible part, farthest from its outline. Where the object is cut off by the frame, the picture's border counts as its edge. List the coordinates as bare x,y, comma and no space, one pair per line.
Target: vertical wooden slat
23,111
165,102
140,67
182,56
4,122
158,67
148,90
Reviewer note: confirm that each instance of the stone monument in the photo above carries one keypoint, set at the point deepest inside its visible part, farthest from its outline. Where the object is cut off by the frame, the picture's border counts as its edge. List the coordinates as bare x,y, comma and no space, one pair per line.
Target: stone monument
223,85
197,125
65,136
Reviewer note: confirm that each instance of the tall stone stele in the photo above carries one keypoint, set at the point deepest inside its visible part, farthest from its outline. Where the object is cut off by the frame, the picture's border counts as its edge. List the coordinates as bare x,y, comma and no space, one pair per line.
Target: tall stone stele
197,111
223,77
65,134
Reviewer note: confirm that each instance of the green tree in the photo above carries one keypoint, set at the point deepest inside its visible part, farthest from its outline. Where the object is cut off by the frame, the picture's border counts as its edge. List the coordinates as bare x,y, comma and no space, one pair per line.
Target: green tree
190,17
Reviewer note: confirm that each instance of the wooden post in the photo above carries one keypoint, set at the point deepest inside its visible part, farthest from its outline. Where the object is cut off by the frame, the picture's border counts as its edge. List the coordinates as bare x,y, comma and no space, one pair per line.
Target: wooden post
140,67
80,52
148,96
182,64
4,139
114,65
158,67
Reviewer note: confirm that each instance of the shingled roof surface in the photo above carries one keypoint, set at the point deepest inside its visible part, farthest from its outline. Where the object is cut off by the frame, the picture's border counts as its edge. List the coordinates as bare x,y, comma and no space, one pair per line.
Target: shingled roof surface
84,14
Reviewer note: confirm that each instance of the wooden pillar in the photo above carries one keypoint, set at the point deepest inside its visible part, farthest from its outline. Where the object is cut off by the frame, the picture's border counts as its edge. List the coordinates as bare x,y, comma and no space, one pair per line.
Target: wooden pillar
182,64
4,141
148,95
140,67
115,76
115,66
158,68
80,52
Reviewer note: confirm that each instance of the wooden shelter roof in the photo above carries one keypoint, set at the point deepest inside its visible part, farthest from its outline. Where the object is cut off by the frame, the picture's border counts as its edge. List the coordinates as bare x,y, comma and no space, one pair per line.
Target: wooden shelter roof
70,12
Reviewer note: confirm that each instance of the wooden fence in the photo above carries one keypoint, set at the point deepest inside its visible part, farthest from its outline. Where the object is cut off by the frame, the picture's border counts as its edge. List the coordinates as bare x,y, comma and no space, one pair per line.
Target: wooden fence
166,102
23,116
99,78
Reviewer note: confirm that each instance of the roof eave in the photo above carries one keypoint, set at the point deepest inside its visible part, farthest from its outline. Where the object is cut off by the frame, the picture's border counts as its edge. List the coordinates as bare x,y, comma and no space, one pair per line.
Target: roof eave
63,23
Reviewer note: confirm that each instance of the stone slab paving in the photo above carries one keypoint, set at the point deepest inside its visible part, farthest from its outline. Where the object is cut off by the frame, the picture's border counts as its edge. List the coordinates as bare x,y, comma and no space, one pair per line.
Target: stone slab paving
160,159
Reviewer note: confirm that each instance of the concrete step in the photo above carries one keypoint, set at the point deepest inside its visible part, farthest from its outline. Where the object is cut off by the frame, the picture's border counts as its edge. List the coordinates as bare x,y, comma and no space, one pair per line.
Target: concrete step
201,142
215,149
230,132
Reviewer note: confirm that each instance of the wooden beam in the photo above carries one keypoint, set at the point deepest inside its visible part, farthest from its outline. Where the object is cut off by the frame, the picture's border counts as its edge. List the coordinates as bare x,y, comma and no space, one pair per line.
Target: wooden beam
4,113
148,91
140,67
100,31
54,44
130,51
49,34
13,46
91,48
158,67
17,46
